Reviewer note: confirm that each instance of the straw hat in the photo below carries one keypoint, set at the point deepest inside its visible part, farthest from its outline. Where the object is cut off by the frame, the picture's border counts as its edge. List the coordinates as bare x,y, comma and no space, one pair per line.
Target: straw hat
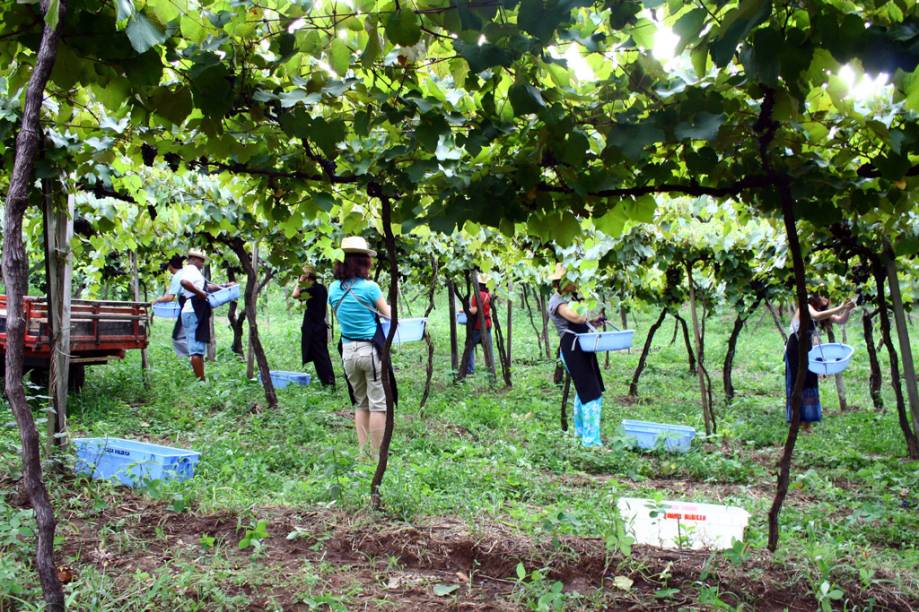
558,273
356,244
309,270
196,253
484,277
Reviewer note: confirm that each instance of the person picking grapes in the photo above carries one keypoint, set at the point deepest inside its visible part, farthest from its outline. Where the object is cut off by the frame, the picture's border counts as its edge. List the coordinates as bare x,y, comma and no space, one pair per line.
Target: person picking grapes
570,318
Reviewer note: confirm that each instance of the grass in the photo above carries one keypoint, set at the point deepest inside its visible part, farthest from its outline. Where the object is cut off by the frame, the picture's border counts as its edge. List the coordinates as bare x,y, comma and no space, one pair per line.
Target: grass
485,456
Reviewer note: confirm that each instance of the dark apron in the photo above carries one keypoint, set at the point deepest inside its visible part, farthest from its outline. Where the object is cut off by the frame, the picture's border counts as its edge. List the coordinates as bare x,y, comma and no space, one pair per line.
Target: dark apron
582,365
203,312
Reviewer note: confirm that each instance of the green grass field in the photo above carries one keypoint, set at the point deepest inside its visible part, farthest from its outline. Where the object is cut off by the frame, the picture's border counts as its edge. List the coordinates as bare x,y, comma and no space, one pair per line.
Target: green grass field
487,503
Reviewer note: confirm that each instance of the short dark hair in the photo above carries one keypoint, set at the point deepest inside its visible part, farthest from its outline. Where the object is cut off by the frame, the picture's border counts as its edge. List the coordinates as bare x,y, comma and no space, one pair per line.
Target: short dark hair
355,265
175,261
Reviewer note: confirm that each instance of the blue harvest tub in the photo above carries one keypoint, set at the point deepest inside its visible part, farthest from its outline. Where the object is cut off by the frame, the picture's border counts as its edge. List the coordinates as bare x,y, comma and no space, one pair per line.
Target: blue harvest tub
831,358
166,310
133,463
408,330
646,434
281,379
461,318
598,342
223,296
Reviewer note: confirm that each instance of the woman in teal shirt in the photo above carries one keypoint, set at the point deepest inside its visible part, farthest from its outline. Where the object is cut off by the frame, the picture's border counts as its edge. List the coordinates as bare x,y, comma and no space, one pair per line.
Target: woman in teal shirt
357,302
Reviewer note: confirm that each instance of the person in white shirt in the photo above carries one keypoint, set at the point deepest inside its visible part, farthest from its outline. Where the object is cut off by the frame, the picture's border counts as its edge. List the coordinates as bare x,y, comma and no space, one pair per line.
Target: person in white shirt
195,309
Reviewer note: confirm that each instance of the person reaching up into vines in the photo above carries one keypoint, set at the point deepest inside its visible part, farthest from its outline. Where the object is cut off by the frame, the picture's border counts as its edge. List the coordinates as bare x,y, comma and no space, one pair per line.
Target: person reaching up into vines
819,308
314,331
565,314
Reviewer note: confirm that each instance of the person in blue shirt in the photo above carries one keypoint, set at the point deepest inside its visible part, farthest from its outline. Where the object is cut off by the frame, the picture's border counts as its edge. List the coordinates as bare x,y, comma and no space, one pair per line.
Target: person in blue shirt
358,303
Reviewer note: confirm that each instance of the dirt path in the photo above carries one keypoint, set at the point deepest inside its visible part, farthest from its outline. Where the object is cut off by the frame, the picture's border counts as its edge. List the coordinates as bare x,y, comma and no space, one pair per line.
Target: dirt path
434,564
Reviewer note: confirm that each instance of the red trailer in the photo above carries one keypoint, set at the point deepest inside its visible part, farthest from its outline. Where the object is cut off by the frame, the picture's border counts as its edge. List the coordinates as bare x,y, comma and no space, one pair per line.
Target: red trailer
100,331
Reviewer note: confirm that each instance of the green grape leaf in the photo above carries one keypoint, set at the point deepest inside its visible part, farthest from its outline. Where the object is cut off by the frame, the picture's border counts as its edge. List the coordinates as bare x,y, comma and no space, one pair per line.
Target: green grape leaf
525,99
211,88
327,134
701,126
484,56
735,27
53,14
174,106
167,10
339,56
402,28
688,27
143,34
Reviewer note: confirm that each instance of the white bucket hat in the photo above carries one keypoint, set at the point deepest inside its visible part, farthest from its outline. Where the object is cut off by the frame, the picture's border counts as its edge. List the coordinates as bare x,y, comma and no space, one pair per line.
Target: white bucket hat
356,244
196,253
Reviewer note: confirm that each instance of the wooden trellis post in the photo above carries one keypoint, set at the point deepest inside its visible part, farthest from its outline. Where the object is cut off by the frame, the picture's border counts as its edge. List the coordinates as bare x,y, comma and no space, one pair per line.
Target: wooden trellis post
135,289
58,235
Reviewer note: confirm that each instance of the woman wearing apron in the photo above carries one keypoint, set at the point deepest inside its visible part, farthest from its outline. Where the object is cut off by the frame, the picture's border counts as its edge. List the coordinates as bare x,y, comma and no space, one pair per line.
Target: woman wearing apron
811,410
581,365
357,303
314,331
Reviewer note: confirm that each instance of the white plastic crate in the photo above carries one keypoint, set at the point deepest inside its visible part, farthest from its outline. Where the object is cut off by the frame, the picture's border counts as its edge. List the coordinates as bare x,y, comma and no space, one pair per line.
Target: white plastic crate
682,525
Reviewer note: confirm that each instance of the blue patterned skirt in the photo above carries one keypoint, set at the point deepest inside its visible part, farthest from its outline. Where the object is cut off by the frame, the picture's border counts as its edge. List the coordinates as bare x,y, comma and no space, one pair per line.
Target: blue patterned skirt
811,411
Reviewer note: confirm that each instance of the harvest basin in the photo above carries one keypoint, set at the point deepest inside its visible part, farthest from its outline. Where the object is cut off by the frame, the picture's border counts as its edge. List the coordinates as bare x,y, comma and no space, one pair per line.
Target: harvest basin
597,342
832,358
407,330
166,310
223,296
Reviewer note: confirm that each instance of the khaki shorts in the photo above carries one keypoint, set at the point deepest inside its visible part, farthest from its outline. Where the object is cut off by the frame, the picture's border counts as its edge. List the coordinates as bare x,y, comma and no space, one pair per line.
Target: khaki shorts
365,373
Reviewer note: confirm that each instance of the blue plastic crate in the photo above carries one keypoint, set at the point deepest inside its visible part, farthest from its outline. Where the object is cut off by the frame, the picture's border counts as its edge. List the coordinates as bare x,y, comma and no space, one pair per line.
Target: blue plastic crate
646,434
166,310
223,296
408,330
133,463
281,379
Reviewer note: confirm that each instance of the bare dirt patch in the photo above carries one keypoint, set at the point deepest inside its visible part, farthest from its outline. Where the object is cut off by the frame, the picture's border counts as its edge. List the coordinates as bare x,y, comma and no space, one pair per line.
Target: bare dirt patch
384,562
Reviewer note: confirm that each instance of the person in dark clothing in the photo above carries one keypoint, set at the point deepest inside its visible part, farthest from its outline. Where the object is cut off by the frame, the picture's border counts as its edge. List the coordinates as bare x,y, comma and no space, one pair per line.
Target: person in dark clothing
314,331
820,310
